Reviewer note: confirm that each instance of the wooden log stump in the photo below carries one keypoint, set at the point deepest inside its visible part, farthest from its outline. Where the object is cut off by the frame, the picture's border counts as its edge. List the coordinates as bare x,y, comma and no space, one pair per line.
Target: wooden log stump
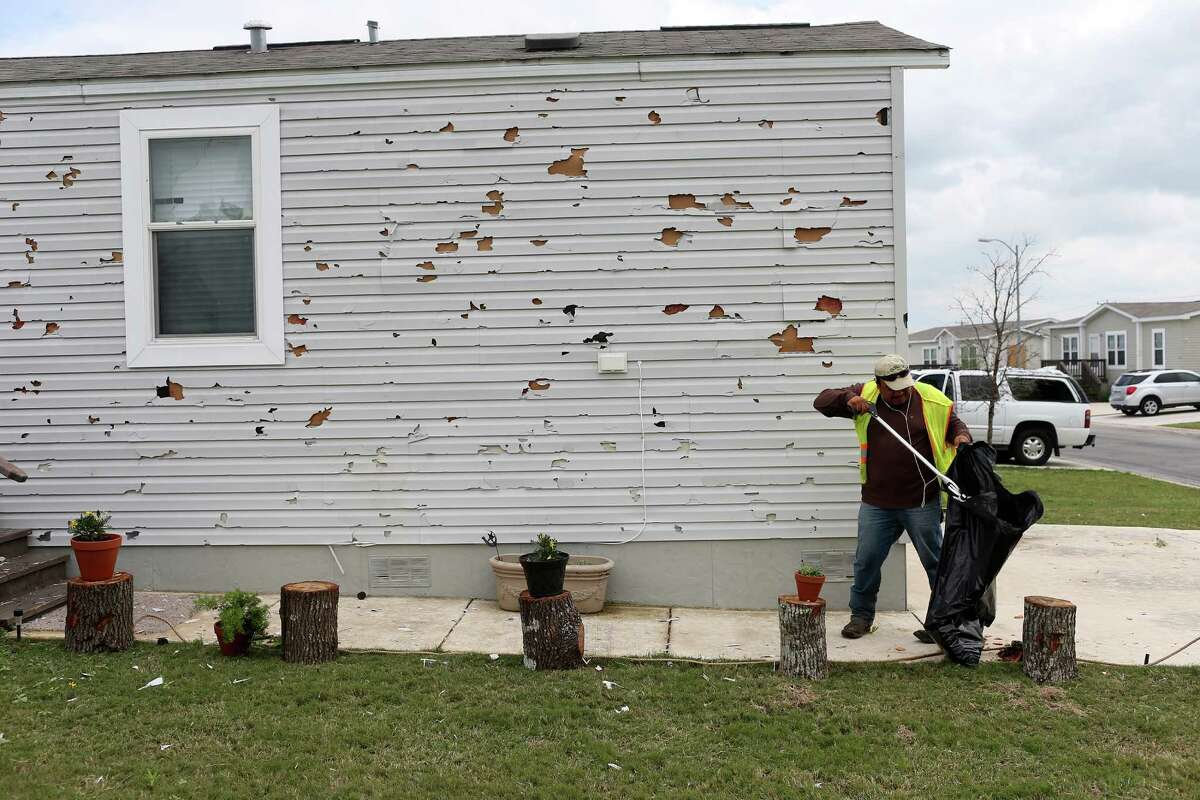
1048,649
802,652
551,631
308,617
99,614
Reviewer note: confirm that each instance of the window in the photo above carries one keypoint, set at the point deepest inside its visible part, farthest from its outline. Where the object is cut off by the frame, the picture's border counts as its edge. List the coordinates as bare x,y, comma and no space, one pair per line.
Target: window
202,236
969,356
975,387
1042,390
936,380
1070,347
1169,377
1130,379
929,354
1158,348
1115,346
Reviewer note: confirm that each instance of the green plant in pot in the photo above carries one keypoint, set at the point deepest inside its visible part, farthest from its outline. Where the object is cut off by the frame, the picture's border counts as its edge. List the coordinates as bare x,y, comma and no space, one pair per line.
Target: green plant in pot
809,580
94,547
241,616
545,568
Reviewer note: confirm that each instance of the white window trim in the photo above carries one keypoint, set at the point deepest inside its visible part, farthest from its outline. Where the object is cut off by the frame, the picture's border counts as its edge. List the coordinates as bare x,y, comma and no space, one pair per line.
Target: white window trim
1074,339
142,348
925,354
1158,364
1123,351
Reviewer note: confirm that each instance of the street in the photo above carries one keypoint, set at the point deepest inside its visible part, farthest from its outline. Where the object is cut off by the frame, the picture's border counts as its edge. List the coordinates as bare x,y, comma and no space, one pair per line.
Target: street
1142,446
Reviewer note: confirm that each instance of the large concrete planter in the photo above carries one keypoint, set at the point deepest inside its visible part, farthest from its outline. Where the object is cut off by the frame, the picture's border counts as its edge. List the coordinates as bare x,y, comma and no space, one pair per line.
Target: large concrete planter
587,581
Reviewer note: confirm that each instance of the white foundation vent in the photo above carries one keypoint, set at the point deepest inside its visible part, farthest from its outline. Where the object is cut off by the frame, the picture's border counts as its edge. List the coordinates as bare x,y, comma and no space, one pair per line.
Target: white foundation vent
399,572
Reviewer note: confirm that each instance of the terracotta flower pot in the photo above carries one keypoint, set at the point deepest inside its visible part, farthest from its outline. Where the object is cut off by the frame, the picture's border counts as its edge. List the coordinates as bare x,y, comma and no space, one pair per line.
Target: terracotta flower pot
240,645
808,587
97,560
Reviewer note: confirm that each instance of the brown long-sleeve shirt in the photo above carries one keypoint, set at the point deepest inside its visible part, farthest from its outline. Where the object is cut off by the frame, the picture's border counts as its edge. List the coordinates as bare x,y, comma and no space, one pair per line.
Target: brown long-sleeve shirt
895,479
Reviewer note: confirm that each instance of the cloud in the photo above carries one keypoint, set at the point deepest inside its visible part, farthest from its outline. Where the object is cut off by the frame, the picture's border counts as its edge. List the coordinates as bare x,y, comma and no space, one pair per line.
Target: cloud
1072,122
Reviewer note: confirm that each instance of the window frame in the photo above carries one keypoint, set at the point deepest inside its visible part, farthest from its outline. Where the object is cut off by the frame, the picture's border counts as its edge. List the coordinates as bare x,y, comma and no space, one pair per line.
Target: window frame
1114,350
1154,364
143,347
1072,349
925,353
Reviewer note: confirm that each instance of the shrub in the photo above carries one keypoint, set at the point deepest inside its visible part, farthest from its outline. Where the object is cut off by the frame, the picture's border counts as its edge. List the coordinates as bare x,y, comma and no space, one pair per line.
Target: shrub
238,611
547,548
90,526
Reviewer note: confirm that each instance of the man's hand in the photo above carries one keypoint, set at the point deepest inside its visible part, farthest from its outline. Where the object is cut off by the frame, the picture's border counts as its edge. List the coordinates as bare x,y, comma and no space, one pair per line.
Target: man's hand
961,439
858,405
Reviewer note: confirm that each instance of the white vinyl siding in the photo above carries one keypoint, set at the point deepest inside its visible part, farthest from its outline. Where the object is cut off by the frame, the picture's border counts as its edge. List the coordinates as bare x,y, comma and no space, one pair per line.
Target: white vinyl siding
445,296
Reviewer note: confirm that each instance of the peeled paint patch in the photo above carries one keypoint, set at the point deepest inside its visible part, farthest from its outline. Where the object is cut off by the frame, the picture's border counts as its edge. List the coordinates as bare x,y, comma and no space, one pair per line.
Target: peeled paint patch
427,279
322,266
468,234
788,342
172,390
826,364
425,265
675,308
298,349
447,128
726,221
316,419
447,247
717,313
670,237
17,322
811,234
767,123
512,134
846,201
681,201
537,301
296,319
18,284
571,166
536,385
654,117
538,242
881,116
497,204
831,305
116,258
69,177
51,327
729,201
484,244
31,243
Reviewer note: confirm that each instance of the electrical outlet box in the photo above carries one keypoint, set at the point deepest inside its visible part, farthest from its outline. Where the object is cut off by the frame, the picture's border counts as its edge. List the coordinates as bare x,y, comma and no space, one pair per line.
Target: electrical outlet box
612,362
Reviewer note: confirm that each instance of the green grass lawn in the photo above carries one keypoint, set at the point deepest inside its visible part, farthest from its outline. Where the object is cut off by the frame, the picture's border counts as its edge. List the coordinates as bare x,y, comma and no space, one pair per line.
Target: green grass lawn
387,726
1098,497
1192,425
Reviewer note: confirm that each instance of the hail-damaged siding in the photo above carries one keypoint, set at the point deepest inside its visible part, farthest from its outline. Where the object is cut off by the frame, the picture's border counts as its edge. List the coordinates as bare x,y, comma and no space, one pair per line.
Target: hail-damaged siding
456,254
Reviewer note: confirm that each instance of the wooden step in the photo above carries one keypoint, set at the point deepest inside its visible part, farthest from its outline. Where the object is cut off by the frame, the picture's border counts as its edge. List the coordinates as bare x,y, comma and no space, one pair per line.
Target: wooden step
14,541
31,570
33,603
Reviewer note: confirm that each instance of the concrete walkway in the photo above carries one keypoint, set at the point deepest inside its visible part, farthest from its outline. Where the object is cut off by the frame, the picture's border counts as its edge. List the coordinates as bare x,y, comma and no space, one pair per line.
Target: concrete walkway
1135,588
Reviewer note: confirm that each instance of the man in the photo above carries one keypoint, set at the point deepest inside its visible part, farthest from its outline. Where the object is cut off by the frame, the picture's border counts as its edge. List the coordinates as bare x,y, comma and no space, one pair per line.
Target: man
899,494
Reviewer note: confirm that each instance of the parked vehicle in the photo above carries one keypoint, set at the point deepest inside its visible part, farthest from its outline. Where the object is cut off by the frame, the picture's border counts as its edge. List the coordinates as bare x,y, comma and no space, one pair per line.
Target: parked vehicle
1039,411
1150,391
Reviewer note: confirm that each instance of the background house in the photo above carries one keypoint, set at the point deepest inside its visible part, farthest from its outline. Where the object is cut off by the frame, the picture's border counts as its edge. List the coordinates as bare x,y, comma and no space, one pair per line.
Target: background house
966,346
1128,336
335,309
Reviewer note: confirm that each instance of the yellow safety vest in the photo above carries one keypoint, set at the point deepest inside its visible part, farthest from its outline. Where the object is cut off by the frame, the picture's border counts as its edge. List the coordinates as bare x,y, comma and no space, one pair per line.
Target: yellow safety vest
937,409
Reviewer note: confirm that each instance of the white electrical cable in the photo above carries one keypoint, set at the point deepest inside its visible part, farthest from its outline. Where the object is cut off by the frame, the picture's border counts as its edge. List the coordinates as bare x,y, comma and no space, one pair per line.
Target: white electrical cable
642,430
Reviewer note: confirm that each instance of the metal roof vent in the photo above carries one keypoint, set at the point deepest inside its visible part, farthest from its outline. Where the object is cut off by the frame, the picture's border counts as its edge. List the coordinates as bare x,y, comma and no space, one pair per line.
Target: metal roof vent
258,35
551,41
373,31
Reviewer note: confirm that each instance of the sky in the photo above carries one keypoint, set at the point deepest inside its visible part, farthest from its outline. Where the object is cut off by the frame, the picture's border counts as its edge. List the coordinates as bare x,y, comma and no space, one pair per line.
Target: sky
1076,124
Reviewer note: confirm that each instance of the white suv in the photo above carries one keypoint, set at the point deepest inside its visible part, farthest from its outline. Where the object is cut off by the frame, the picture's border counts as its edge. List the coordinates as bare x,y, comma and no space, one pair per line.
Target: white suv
1151,391
1039,411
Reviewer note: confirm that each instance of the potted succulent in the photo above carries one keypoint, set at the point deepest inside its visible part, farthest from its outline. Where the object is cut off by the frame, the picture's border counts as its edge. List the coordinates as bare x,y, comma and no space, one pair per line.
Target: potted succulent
94,547
809,580
545,568
241,616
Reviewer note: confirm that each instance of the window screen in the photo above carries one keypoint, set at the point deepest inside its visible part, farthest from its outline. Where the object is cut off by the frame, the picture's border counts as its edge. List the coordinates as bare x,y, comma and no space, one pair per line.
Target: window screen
204,272
975,387
1044,390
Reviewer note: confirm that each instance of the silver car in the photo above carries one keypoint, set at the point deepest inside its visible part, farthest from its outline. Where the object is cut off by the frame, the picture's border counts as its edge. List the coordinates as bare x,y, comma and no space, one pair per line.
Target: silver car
1150,391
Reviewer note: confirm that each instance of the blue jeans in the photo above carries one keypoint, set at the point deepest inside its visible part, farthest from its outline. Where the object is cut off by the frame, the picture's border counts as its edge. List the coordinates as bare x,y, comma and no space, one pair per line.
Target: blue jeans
878,530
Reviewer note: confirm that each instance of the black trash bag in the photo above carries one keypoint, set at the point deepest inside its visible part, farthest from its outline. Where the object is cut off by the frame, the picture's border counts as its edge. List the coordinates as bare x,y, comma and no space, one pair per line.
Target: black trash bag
980,535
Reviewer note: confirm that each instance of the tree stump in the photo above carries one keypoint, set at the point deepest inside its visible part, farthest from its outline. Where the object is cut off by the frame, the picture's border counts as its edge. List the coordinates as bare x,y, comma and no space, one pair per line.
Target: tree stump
99,614
1049,640
802,638
308,617
551,631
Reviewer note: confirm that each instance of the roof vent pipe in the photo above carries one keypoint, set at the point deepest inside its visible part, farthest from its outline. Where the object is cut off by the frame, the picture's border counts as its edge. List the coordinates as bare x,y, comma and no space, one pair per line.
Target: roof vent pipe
258,35
551,41
373,31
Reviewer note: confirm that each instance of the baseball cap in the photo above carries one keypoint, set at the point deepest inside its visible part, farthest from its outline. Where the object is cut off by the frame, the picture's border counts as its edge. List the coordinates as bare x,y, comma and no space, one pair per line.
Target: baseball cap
892,369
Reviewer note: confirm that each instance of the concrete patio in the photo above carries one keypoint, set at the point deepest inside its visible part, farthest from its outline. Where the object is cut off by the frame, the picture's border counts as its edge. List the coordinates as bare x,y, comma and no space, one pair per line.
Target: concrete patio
1135,588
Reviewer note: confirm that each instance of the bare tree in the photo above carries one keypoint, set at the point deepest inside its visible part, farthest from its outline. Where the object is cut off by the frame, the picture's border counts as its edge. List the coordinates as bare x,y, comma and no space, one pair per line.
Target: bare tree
993,310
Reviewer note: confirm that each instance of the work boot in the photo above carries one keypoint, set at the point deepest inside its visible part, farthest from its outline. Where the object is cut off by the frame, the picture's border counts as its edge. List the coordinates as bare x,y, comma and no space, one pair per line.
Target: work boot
856,628
924,636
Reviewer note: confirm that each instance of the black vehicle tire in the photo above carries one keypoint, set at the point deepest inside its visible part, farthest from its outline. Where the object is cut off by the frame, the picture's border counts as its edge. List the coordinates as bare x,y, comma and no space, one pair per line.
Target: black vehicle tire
1129,412
1150,406
1032,447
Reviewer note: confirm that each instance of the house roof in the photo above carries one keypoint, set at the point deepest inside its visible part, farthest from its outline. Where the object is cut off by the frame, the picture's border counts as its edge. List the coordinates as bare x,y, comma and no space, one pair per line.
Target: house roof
695,41
965,331
1179,308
